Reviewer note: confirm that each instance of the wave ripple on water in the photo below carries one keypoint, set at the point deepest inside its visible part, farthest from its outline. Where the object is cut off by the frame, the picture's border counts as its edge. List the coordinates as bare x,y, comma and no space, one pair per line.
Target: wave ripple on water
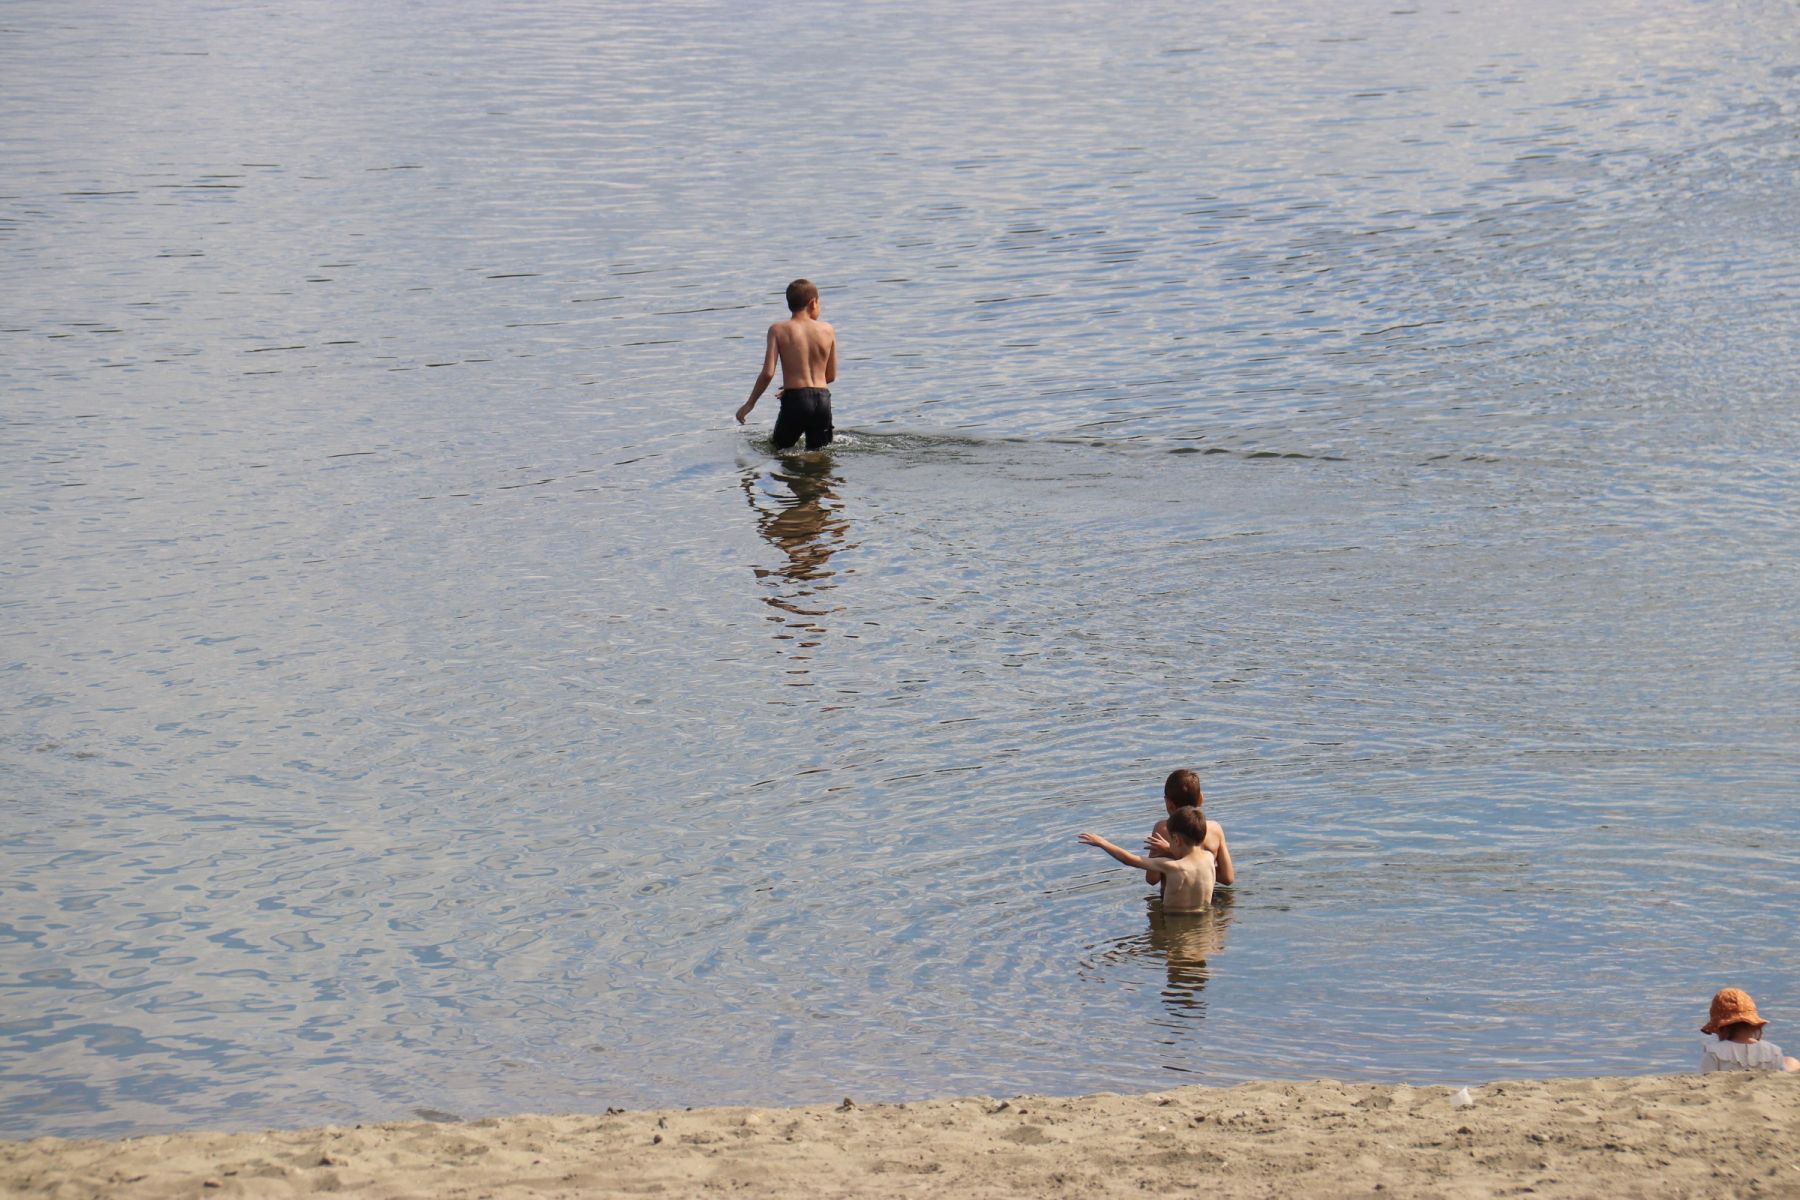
422,698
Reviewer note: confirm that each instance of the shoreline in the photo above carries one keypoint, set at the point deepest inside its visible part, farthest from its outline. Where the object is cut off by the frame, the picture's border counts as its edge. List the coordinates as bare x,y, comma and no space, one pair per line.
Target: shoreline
1670,1135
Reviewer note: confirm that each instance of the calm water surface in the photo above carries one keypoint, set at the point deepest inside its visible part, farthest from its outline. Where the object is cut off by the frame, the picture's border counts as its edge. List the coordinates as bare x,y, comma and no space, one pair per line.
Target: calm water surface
420,696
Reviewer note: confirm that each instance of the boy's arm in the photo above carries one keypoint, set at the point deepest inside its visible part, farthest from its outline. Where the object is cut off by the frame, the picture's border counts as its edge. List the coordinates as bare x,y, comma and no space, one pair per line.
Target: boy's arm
831,362
763,378
1223,860
1124,856
1157,843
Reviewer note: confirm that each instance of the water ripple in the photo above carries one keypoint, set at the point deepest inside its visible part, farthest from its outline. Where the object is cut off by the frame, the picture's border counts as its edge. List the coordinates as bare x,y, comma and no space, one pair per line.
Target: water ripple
425,701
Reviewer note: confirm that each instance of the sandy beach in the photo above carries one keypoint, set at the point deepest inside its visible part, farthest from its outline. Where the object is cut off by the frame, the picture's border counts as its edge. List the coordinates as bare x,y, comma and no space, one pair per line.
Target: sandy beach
1688,1135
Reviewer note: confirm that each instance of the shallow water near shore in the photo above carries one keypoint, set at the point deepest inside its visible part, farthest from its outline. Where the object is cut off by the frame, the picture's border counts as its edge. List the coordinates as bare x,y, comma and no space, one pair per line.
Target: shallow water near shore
422,696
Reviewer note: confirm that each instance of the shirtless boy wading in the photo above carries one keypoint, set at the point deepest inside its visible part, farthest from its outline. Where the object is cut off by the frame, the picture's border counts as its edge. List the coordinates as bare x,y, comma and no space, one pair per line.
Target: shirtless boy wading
807,349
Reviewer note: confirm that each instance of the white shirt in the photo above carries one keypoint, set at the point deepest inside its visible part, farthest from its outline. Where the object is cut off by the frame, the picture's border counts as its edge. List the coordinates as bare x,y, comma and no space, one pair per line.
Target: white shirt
1740,1056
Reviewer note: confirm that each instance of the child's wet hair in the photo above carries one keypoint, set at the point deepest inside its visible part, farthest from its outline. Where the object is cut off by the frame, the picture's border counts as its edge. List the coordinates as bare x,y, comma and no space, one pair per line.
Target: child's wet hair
1187,824
801,293
1182,789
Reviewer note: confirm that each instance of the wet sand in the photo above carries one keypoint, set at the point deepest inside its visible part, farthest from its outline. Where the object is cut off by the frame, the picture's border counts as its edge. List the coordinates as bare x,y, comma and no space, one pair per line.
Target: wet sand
1687,1135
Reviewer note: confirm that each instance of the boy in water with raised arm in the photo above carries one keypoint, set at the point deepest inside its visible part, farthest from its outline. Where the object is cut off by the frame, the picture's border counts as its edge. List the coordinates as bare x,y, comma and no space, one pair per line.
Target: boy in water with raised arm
807,349
1186,870
1182,790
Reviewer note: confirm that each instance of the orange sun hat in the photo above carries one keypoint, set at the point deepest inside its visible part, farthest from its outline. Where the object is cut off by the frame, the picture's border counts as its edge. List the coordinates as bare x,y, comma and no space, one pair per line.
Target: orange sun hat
1732,1006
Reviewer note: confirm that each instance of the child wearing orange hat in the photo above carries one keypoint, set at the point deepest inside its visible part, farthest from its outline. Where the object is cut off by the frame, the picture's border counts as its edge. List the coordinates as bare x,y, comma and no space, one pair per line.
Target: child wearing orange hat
1740,1046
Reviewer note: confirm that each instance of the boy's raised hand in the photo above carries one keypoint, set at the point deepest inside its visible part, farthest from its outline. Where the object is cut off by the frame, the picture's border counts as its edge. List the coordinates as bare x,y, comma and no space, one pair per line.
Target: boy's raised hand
1118,852
1156,846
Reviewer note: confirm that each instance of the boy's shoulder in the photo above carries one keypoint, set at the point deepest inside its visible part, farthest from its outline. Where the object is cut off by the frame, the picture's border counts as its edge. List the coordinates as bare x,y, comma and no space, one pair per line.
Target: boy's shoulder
796,326
1197,859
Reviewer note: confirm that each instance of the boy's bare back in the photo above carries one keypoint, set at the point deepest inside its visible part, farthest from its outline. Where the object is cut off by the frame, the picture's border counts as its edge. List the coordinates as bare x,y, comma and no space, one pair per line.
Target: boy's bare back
807,349
1214,844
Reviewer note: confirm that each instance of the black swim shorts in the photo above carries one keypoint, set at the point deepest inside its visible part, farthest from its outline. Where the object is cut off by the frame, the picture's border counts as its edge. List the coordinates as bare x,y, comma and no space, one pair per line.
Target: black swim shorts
804,410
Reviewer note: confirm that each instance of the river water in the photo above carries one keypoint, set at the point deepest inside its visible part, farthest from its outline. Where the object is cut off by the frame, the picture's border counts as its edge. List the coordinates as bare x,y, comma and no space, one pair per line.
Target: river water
422,698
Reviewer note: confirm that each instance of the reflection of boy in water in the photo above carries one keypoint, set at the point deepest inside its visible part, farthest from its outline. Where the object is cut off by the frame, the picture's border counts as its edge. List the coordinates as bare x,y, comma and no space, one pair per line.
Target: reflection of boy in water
808,528
807,349
1186,869
1186,941
1182,790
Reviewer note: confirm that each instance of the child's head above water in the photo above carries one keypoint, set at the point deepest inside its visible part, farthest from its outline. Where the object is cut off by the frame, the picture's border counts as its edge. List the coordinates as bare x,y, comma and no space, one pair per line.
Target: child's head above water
1182,790
1187,829
801,293
1734,1017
